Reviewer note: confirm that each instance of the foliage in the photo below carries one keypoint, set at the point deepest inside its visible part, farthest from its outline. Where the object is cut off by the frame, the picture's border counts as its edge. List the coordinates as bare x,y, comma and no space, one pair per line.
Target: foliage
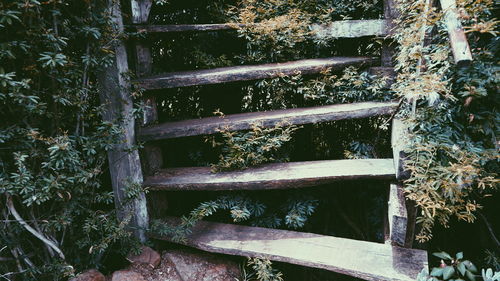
257,146
456,269
292,213
53,142
450,110
279,30
489,275
263,271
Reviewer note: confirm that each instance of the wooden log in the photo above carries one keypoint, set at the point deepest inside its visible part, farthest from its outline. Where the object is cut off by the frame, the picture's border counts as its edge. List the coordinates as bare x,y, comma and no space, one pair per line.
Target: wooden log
244,121
140,10
399,141
388,48
397,216
151,154
336,29
168,28
353,29
125,167
247,72
458,40
361,259
271,176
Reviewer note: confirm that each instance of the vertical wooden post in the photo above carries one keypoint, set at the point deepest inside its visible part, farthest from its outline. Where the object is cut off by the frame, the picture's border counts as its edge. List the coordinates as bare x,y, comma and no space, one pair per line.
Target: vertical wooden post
401,213
388,50
151,155
124,164
458,41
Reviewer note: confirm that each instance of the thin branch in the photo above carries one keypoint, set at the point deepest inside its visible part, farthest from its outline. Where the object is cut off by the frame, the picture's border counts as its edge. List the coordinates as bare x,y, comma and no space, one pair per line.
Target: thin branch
12,209
490,229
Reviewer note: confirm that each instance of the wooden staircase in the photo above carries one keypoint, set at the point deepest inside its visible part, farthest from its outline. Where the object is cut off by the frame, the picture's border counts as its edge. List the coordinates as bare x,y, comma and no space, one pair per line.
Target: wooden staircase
393,260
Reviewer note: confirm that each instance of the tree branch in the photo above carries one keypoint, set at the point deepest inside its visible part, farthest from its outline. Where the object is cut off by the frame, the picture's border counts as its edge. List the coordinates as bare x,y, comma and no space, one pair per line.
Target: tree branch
12,209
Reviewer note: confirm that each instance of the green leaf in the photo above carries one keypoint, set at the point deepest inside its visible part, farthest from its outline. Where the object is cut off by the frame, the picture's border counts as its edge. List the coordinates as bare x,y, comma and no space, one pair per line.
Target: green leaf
470,275
442,255
437,272
470,266
461,268
448,272
459,255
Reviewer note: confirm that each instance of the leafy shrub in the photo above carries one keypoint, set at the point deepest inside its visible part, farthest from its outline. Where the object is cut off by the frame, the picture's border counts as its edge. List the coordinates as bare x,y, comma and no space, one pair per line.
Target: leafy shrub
456,269
451,114
257,146
59,217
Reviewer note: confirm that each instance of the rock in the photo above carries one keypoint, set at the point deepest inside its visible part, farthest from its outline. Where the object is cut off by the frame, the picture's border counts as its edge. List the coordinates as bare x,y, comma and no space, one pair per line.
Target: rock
147,256
89,275
200,266
190,265
127,275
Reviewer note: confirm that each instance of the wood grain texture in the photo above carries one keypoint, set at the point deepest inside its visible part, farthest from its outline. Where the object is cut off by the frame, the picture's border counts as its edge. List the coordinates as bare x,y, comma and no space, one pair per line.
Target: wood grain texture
140,10
389,46
399,141
244,121
397,215
458,40
335,29
167,28
361,259
353,29
247,72
125,167
271,176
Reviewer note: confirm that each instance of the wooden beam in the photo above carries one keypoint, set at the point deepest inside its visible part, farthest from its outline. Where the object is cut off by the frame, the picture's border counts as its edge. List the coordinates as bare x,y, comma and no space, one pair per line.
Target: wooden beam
399,141
247,72
168,28
458,40
140,10
124,164
271,176
244,121
398,218
388,46
353,28
336,29
151,155
361,259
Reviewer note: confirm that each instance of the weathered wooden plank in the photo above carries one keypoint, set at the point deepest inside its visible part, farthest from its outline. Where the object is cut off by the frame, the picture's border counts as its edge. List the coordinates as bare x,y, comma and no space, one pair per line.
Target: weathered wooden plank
361,259
140,10
397,216
336,29
167,28
353,28
399,141
388,46
248,72
151,155
271,176
244,121
125,167
458,40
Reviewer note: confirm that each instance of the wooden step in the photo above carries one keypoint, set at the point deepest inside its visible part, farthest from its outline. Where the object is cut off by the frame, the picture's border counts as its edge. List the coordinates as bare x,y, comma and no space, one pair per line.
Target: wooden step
336,29
247,72
271,176
244,121
361,259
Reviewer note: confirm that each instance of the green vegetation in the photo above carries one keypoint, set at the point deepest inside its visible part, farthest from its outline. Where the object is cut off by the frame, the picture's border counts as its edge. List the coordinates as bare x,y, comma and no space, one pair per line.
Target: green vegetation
57,212
53,142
